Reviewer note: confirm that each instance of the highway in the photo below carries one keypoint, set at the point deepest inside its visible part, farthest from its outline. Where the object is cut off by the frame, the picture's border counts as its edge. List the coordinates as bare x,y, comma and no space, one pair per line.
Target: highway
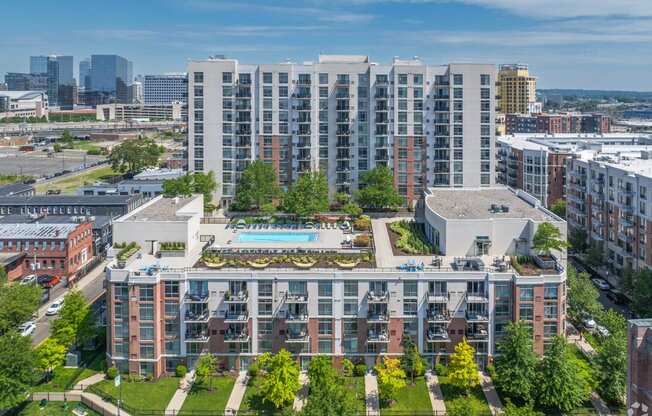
91,285
85,126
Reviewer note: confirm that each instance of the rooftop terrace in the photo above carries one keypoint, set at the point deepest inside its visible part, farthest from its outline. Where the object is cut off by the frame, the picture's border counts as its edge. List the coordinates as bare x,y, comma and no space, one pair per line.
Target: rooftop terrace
165,209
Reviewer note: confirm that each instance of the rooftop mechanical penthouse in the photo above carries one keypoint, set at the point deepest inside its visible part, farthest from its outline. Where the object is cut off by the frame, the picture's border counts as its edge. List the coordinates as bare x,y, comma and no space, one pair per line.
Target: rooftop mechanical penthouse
181,286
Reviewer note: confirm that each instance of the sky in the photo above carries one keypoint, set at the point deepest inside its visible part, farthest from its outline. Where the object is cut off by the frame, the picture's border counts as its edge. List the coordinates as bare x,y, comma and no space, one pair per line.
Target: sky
590,44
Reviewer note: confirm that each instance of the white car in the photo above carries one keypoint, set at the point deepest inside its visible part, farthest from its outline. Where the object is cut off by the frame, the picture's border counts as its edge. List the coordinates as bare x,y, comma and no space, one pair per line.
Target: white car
27,328
54,308
602,331
589,324
601,283
28,280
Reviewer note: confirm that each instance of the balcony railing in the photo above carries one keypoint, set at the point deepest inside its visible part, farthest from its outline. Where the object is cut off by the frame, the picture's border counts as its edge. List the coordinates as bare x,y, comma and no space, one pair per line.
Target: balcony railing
299,317
377,337
296,298
477,334
476,297
240,297
196,317
438,334
477,316
377,317
196,336
377,297
297,337
438,297
236,316
439,317
236,336
196,298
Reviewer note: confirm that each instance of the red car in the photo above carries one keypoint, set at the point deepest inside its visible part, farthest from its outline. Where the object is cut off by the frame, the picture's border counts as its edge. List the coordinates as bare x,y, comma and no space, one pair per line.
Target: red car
48,281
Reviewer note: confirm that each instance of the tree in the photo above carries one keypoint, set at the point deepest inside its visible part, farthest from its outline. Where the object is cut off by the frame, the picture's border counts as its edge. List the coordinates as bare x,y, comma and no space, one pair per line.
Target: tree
516,363
411,361
577,239
76,323
308,195
595,255
527,410
582,295
17,304
50,355
462,369
134,155
258,185
328,392
377,190
342,198
321,372
17,368
611,363
638,285
548,238
391,378
352,209
206,366
192,183
268,209
615,322
559,383
3,276
559,208
66,139
281,381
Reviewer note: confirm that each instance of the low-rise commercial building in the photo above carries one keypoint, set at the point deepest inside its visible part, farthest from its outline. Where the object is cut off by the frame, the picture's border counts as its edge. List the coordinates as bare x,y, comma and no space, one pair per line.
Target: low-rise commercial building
110,205
168,303
23,104
125,112
556,123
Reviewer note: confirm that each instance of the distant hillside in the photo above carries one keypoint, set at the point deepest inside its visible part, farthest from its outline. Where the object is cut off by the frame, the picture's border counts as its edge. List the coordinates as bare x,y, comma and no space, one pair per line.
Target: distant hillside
635,95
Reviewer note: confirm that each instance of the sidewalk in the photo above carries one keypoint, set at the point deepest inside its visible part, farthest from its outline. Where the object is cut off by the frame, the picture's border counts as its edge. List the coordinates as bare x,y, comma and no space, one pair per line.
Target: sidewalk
589,351
371,391
94,379
176,402
495,405
238,392
302,394
436,396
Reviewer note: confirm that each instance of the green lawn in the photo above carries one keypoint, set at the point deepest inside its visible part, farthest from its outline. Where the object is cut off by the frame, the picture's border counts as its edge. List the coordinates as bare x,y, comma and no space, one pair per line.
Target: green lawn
356,384
8,179
253,401
201,399
63,378
455,398
85,145
69,184
51,409
142,395
410,399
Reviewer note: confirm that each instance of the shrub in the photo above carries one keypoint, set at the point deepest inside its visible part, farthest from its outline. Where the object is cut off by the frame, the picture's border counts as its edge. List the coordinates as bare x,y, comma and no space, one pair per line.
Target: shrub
352,209
363,223
94,151
360,370
362,241
181,371
491,371
411,240
253,370
347,367
441,370
111,373
460,408
128,251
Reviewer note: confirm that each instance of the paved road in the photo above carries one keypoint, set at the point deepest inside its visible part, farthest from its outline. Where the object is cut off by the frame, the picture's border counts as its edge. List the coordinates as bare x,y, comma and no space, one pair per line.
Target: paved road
606,302
91,285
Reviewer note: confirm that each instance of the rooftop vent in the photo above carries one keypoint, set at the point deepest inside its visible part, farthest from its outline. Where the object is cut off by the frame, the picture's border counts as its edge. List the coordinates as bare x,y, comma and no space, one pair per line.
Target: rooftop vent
504,208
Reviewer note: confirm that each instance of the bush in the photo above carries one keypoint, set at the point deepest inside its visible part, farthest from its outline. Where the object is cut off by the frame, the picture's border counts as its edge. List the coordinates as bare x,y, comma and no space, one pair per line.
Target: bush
363,223
441,370
459,408
347,367
253,370
181,371
111,373
94,151
57,148
411,240
352,209
491,371
362,241
360,370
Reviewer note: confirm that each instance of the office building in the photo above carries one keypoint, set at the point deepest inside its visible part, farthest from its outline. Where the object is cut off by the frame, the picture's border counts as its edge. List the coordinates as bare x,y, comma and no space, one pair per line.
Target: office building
555,123
60,80
165,308
136,93
84,73
639,366
516,89
26,82
38,64
536,163
126,112
165,89
343,115
110,74
112,206
23,104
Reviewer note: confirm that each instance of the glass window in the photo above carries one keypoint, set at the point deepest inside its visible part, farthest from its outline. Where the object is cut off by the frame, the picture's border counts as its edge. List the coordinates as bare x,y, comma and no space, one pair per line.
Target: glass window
350,345
485,79
351,289
325,346
410,288
458,79
326,289
323,78
171,289
409,307
325,327
199,77
402,79
265,327
146,312
526,312
325,307
146,351
549,329
550,311
282,77
265,308
265,288
350,307
171,309
227,77
146,332
267,77
526,293
146,293
550,292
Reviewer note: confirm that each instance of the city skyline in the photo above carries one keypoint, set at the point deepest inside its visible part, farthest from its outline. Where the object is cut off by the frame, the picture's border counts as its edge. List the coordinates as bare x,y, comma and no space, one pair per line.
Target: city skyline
588,45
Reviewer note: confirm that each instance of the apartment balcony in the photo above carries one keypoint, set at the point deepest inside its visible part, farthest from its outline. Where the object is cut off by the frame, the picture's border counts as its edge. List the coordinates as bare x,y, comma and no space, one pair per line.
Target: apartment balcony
627,208
479,334
197,336
236,317
377,337
627,192
377,297
437,334
240,297
575,198
195,298
595,235
438,298
377,317
626,222
477,316
628,238
296,298
435,317
297,337
196,317
296,317
477,298
236,336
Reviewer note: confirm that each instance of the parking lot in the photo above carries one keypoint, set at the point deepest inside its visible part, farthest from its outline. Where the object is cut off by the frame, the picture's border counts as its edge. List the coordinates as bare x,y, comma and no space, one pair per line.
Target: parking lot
39,163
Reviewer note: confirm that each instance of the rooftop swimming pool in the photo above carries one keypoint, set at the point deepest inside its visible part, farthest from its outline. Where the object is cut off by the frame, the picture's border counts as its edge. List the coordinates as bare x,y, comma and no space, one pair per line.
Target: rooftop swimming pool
276,237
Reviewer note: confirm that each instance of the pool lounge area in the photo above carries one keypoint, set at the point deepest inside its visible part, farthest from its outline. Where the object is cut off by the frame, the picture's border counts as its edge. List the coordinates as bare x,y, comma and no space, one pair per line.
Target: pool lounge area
276,237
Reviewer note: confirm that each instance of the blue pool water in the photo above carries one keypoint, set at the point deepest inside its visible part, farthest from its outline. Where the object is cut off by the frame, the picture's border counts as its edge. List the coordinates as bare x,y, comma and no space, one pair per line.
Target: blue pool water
275,237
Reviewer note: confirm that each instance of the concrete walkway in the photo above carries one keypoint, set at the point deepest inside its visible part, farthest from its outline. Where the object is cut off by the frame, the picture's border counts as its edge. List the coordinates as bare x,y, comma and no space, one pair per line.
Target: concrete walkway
436,396
93,401
176,402
495,405
600,405
89,381
235,399
302,394
372,398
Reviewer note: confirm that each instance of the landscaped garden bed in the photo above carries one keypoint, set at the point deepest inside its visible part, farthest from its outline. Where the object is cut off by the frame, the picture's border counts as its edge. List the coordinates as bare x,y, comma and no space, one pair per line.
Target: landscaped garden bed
356,385
299,261
202,399
407,239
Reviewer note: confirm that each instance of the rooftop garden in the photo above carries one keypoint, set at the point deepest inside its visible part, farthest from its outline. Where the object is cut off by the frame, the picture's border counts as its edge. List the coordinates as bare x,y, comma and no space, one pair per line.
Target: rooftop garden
172,246
297,261
126,250
408,238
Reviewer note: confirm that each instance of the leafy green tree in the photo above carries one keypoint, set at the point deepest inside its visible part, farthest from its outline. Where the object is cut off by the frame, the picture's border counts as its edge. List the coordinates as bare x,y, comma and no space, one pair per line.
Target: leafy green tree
321,371
411,361
347,367
204,370
192,183
559,208
281,380
391,378
342,198
559,383
516,363
548,238
583,297
17,304
526,410
134,155
462,369
328,392
595,255
611,363
258,185
638,285
377,190
577,239
17,368
67,139
50,355
76,323
308,195
3,276
352,209
268,209
615,322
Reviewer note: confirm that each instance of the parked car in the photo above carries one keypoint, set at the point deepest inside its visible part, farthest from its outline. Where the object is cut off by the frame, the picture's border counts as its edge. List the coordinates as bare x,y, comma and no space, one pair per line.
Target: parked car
601,283
617,297
601,330
48,281
54,308
27,328
589,324
28,280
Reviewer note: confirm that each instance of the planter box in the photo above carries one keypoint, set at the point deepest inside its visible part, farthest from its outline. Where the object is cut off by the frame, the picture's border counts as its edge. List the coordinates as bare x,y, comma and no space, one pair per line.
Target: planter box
172,253
545,262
